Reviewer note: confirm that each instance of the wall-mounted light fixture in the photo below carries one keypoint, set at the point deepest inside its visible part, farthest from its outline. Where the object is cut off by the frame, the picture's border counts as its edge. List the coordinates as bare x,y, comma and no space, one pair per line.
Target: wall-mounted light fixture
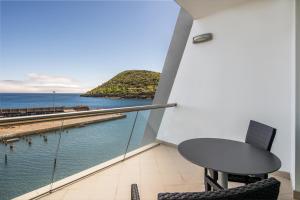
202,38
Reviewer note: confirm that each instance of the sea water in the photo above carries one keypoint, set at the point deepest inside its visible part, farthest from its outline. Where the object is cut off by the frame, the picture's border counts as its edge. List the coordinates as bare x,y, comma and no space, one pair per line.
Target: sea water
30,100
30,167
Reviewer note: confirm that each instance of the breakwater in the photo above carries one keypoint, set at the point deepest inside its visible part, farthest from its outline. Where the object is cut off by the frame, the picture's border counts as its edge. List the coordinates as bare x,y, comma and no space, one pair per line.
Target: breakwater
32,127
14,112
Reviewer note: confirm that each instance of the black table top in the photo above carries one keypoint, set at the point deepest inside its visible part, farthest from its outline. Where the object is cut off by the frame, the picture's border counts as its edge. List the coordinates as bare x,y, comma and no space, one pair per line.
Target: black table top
229,156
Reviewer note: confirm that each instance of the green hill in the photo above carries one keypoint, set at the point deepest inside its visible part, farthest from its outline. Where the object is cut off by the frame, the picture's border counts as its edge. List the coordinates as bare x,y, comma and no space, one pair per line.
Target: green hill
140,84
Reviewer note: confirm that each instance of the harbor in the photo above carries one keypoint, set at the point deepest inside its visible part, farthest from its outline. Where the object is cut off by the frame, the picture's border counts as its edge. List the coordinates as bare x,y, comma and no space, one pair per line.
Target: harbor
82,142
10,131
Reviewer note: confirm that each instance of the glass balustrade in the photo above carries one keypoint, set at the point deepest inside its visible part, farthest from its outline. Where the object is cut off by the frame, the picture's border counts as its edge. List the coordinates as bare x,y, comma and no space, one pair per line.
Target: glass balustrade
89,145
70,148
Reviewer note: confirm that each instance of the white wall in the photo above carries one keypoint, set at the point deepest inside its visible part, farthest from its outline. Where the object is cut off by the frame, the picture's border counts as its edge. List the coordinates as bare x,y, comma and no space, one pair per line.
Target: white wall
244,73
297,122
293,135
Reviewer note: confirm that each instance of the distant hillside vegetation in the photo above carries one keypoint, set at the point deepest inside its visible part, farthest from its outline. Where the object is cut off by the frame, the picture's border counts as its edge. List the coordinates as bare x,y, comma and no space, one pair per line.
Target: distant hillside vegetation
140,84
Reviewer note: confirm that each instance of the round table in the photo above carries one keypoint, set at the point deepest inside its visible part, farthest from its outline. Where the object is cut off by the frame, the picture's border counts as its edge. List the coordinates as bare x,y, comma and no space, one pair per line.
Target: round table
229,157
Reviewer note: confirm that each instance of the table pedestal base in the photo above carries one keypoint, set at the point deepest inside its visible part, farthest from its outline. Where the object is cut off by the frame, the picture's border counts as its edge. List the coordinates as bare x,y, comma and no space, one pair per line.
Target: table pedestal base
211,180
224,180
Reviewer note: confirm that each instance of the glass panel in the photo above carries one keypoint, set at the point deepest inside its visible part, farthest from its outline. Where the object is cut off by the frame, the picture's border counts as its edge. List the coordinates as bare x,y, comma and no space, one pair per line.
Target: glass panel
146,128
88,145
26,164
77,144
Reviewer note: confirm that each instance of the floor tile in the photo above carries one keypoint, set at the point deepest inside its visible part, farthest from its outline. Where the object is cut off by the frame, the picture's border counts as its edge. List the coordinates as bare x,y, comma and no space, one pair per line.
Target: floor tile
160,169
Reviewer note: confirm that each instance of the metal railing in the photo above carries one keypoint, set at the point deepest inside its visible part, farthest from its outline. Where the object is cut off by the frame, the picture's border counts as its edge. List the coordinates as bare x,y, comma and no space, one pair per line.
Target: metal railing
84,113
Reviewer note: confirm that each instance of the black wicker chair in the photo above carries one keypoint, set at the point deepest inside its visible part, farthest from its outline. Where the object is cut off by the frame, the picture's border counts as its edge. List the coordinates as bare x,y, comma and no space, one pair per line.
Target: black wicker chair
261,136
267,189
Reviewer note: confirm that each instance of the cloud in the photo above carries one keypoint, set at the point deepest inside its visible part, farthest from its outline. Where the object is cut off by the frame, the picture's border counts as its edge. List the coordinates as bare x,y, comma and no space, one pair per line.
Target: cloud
42,83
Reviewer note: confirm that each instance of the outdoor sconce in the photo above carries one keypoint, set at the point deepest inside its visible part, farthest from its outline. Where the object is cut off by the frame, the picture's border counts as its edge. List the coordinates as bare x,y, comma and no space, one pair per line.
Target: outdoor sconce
202,38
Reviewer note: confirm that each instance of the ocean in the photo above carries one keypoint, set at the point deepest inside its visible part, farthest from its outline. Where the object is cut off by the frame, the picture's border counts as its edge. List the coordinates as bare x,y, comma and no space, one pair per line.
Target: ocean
29,100
29,167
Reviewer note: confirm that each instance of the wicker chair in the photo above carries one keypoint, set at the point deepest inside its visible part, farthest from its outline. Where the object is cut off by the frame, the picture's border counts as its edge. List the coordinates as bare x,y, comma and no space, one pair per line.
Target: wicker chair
267,189
260,136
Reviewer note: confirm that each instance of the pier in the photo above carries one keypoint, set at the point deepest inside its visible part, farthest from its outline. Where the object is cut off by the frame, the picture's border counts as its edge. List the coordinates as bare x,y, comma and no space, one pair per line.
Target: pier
9,131
15,112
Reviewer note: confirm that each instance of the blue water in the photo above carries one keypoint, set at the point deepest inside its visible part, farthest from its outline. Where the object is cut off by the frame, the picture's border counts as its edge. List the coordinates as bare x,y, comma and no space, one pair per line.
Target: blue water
31,166
14,100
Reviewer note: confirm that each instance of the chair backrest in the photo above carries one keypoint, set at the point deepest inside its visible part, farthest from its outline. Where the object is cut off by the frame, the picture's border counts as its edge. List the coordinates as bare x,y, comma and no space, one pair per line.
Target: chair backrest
260,135
261,190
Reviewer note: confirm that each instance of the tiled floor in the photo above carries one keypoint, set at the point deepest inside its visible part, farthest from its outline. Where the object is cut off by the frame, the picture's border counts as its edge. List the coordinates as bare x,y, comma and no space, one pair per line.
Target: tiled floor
160,169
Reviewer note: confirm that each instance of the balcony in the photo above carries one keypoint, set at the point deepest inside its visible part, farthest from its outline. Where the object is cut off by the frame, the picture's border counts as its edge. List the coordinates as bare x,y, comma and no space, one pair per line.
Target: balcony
244,72
80,162
159,169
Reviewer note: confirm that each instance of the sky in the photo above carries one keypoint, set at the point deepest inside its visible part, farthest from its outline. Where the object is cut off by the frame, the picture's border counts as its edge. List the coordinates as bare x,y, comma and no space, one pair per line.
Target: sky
73,46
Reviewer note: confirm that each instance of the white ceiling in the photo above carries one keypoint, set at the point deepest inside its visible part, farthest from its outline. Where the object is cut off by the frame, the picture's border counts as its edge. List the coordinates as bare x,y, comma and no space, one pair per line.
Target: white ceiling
202,8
